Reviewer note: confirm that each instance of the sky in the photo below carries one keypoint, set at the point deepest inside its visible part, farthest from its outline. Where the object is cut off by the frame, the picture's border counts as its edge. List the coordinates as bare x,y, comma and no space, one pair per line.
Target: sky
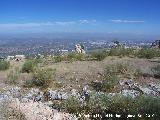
88,16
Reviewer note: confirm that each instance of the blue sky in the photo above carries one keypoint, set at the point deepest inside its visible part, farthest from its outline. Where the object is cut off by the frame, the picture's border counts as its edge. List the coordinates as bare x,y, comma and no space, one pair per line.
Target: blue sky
106,16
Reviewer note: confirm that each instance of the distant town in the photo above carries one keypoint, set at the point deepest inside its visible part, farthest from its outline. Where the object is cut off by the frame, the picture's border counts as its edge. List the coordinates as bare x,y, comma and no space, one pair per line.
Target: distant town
34,46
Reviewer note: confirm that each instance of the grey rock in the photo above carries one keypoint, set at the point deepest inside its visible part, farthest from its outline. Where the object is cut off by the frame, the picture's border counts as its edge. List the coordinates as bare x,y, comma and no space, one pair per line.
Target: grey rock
38,97
33,94
25,100
85,89
131,93
154,87
53,95
62,95
57,95
4,97
14,92
86,92
148,91
129,82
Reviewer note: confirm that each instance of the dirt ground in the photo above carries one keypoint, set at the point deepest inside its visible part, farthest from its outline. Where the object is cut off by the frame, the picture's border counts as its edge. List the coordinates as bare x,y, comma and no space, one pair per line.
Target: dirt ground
79,73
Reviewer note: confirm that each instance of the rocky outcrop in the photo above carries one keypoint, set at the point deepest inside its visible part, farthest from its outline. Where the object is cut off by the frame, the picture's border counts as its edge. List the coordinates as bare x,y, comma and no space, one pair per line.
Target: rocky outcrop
32,105
134,89
79,48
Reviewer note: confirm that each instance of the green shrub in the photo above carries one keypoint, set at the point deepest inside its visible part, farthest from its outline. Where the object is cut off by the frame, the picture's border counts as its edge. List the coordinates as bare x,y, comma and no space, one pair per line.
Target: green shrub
110,77
131,52
156,71
104,104
43,77
12,77
73,105
109,81
29,83
138,73
123,105
58,58
148,105
29,66
75,57
101,55
148,53
4,65
121,52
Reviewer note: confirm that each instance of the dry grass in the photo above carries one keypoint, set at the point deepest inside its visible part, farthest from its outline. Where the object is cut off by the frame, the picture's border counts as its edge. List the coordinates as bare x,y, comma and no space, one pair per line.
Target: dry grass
78,73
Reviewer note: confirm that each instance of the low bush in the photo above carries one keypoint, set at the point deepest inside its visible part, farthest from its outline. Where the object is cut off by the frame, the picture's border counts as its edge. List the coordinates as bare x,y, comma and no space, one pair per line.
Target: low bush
110,82
4,65
138,73
148,53
103,104
12,77
131,52
29,66
121,52
110,79
149,106
73,105
70,57
156,71
75,57
112,73
29,83
99,55
43,77
58,58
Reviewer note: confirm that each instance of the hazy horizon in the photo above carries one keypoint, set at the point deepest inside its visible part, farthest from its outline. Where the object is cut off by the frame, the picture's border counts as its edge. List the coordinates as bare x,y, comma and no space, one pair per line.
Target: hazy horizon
122,17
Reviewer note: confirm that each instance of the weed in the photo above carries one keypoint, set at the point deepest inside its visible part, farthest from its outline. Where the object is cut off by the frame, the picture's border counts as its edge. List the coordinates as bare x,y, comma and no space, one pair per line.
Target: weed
4,65
12,77
29,66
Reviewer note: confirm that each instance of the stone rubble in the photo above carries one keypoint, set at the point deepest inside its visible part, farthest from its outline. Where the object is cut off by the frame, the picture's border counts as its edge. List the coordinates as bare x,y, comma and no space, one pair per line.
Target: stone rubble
37,111
131,93
134,89
34,107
